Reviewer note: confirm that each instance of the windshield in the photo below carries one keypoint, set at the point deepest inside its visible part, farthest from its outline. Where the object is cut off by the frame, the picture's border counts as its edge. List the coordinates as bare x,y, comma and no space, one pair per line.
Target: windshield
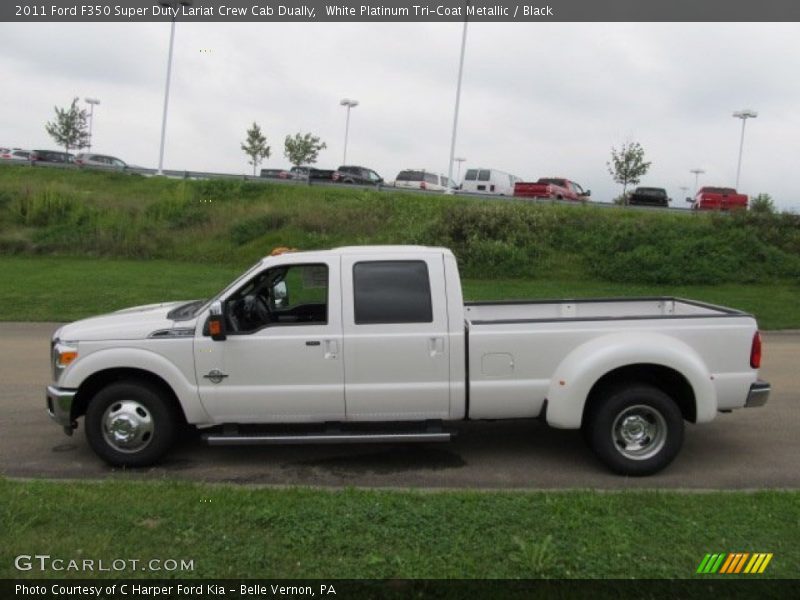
201,305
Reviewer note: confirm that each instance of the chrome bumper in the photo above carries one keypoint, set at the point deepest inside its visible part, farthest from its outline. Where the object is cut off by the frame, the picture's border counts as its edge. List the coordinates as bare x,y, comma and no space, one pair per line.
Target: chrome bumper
59,407
758,394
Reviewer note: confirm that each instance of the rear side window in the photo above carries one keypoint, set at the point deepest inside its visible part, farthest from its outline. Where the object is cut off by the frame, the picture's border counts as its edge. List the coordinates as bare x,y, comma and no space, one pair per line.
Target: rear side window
397,291
432,178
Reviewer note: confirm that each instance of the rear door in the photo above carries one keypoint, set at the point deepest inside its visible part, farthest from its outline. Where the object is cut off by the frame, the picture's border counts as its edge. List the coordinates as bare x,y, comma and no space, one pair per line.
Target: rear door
396,350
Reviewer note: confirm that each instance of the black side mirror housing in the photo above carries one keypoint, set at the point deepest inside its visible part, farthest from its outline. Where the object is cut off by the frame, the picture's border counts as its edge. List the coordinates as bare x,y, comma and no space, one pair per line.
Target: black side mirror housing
216,323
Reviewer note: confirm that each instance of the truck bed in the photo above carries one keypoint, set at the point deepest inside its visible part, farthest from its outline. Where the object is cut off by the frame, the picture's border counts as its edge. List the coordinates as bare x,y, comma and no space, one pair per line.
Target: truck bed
484,313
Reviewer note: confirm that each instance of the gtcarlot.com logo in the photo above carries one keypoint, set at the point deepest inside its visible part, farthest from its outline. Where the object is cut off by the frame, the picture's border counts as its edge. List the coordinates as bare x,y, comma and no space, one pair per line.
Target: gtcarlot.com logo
727,563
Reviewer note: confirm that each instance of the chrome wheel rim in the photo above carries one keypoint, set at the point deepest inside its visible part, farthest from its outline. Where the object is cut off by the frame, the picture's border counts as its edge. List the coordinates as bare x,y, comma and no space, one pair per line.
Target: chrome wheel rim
128,426
639,432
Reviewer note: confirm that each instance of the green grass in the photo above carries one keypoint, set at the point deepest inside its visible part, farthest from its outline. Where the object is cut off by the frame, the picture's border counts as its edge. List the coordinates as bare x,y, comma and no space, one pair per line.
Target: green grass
65,289
230,222
294,533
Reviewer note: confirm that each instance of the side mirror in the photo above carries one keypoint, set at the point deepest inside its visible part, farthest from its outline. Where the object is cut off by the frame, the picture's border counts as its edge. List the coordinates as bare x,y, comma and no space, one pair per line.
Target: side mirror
689,199
587,193
216,323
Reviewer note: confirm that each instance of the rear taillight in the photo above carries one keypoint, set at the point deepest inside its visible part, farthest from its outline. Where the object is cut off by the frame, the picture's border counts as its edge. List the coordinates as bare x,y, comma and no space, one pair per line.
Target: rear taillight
5,156
755,351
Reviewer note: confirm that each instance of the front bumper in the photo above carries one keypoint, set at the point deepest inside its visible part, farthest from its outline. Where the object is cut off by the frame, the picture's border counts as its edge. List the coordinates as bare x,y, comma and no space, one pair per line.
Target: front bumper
59,407
758,394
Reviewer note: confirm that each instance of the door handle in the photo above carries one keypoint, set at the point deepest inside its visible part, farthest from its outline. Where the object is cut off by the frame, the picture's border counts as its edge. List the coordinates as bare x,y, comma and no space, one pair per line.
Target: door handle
435,346
331,349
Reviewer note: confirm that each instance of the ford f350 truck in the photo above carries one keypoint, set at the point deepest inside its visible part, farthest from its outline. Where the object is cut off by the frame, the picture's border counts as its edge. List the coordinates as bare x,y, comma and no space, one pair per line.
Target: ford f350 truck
375,344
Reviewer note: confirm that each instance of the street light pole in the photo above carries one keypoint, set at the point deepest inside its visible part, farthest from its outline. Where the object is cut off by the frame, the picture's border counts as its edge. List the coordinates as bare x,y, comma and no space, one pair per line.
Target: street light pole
459,161
449,189
174,6
697,173
349,103
91,102
743,115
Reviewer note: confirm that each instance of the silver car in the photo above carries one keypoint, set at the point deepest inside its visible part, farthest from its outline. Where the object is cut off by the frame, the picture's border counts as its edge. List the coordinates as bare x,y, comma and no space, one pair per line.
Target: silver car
99,160
14,154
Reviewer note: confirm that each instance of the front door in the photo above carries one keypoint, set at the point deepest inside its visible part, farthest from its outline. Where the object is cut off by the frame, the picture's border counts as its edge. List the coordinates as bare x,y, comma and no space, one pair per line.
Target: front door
281,361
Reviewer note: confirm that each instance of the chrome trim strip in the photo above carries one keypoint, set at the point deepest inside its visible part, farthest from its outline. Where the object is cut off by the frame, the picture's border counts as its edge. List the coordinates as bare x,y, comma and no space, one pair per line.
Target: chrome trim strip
334,438
758,394
172,333
59,405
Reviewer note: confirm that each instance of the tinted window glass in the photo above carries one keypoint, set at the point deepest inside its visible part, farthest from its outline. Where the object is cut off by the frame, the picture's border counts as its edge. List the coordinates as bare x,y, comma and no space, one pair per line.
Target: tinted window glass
484,175
410,176
432,178
392,292
472,175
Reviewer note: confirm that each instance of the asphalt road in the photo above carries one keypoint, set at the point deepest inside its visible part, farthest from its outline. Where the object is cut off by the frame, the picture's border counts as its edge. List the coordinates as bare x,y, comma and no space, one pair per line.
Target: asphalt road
748,449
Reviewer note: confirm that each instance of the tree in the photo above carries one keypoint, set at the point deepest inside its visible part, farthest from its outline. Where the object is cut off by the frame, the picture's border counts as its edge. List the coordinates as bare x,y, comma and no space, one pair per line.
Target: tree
70,128
303,149
762,204
255,146
627,165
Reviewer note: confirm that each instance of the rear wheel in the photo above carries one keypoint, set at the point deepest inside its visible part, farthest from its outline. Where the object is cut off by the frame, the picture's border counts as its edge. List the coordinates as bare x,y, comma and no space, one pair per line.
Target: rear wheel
130,424
635,429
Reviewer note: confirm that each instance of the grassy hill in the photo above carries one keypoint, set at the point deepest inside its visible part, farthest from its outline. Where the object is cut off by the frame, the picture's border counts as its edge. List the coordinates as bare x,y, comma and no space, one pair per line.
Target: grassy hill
229,222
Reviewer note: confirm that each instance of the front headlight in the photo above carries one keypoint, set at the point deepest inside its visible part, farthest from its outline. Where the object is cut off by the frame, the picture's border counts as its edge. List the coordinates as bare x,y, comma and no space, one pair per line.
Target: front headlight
63,355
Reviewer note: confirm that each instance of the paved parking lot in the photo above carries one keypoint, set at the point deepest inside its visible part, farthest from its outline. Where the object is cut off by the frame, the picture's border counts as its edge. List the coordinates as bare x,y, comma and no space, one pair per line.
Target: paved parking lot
752,448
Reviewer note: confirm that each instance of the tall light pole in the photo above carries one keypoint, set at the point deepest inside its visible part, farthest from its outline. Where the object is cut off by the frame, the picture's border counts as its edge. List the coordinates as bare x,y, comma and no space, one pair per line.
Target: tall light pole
697,173
91,102
459,161
449,189
173,5
349,103
743,115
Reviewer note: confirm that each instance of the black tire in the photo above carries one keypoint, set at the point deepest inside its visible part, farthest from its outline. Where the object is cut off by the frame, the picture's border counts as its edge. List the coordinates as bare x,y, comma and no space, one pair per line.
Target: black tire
652,437
122,404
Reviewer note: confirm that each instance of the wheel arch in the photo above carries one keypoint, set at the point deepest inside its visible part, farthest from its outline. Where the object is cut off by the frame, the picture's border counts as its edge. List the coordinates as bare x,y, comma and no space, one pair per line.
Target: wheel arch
102,379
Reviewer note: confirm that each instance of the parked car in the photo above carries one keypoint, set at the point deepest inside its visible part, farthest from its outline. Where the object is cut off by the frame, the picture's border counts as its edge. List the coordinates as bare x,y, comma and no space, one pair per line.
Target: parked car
648,196
272,350
420,179
357,175
310,174
14,154
718,198
555,188
489,181
99,160
275,173
52,156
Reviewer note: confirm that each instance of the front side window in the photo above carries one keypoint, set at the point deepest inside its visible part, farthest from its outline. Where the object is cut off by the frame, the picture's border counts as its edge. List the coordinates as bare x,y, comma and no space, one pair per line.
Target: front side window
484,175
396,291
472,175
285,295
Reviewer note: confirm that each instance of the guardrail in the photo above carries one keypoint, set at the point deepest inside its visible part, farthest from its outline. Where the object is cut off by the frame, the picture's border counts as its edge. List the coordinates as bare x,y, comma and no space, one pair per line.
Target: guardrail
202,175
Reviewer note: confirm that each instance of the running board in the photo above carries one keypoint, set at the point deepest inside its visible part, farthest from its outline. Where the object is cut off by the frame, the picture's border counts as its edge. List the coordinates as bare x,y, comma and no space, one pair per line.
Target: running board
324,438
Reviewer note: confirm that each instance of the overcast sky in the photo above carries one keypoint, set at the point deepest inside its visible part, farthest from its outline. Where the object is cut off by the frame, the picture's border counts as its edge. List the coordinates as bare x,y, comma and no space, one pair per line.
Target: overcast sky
538,100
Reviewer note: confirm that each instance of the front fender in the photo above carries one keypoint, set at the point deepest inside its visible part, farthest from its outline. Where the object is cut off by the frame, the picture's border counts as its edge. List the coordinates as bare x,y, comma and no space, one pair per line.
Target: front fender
145,360
585,365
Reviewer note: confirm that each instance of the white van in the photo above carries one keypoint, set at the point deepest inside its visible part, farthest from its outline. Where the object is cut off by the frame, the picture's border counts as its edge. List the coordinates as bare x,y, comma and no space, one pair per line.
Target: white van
489,181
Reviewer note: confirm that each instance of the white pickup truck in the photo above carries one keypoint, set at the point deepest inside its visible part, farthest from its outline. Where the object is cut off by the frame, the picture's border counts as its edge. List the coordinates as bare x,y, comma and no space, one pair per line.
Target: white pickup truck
375,344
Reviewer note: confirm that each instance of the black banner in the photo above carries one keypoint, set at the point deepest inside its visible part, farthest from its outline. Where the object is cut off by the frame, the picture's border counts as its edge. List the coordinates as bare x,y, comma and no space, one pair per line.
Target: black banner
347,589
401,10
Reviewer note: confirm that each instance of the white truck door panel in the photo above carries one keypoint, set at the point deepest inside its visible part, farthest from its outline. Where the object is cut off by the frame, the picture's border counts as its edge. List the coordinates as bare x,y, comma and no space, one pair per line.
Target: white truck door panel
283,372
396,350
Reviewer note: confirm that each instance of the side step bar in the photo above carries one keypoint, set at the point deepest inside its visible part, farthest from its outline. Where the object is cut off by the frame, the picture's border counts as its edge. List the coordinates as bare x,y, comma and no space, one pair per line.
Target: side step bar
222,439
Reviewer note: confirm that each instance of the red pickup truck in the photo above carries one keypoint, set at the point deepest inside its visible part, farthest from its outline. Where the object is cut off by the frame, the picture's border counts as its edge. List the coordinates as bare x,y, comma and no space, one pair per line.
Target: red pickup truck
718,198
551,187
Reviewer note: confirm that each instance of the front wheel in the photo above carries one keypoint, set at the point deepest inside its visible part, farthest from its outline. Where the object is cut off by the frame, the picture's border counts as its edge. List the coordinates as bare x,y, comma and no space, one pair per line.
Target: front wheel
130,424
635,430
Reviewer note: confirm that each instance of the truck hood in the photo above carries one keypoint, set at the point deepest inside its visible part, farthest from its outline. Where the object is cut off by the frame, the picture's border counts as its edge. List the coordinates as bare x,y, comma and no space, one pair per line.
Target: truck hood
133,323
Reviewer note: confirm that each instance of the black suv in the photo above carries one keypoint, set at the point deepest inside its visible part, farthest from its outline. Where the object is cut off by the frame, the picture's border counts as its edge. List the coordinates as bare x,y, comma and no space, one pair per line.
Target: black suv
648,196
359,175
52,156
